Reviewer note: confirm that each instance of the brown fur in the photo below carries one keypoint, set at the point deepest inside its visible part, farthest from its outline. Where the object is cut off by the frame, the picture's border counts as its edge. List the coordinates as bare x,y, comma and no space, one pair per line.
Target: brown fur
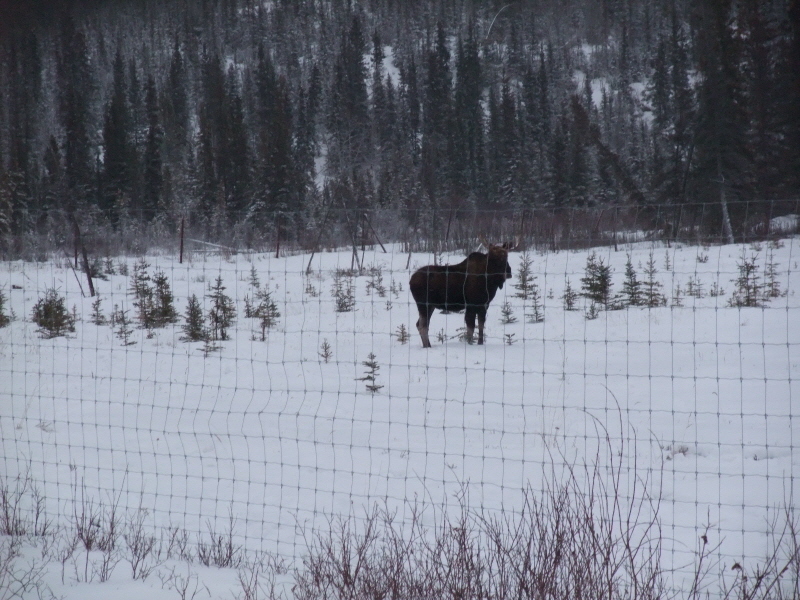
469,285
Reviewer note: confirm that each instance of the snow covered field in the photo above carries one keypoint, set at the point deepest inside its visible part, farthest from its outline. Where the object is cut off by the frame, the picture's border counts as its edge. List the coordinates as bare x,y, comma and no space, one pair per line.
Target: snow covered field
698,397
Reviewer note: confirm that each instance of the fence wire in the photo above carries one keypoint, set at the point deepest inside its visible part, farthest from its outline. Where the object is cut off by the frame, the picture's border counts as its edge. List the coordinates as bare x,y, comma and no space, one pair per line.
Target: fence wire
297,392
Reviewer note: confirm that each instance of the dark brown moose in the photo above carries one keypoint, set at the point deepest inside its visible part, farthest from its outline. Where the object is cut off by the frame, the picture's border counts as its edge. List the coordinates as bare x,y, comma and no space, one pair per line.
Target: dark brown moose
470,285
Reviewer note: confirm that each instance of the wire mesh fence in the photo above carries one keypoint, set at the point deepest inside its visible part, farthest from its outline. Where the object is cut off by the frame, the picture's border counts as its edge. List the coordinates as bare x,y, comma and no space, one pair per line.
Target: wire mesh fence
235,396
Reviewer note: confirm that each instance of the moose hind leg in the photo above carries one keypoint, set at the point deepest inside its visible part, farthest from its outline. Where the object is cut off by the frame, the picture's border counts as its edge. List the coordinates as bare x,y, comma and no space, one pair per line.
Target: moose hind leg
422,326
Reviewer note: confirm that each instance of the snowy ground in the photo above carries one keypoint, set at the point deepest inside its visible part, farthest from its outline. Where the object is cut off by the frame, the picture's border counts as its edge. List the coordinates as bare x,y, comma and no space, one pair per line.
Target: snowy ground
702,398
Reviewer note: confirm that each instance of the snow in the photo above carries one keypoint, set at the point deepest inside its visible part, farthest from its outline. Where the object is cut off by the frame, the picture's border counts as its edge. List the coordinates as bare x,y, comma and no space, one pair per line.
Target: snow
272,435
784,224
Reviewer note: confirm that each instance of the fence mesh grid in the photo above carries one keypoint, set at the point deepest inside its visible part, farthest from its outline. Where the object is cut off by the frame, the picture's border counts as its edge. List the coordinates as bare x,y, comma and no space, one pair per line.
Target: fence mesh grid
317,400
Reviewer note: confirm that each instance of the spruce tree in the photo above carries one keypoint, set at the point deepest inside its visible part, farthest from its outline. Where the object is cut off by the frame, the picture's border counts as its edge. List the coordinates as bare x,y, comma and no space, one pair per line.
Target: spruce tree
153,201
570,297
119,152
631,287
525,278
222,313
4,318
51,315
596,283
651,287
194,328
163,301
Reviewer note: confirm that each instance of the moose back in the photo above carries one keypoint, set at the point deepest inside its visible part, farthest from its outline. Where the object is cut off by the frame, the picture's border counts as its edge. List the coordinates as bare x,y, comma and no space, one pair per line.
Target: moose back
469,286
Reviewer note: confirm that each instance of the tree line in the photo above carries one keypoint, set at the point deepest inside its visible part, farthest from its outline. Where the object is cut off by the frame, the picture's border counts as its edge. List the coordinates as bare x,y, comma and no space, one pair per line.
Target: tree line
237,114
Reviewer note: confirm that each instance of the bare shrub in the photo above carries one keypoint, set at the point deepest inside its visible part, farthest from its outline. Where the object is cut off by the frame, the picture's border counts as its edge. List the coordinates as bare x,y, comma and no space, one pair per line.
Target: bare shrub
219,550
97,528
582,536
143,549
177,543
20,578
22,507
186,587
258,578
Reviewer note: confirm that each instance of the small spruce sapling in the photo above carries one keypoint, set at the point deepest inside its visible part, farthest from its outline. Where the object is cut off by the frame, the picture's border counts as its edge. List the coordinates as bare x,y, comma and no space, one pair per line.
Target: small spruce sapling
747,287
596,283
51,315
266,311
537,308
326,352
310,289
508,314
570,297
525,278
143,294
254,280
124,330
343,291
371,374
209,345
98,318
4,319
771,286
592,312
692,286
163,306
677,297
402,334
194,326
396,287
375,282
652,295
222,313
631,287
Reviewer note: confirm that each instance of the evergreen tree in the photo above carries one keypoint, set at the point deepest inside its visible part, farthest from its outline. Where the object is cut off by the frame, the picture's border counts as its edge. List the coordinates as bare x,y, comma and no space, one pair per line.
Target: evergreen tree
651,287
75,89
118,150
348,117
468,142
437,115
4,318
24,92
596,283
163,301
722,169
194,326
176,111
631,287
153,199
758,35
222,313
570,297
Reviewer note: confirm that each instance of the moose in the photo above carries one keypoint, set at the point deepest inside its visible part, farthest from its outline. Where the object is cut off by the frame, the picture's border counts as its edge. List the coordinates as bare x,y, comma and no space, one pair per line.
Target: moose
469,285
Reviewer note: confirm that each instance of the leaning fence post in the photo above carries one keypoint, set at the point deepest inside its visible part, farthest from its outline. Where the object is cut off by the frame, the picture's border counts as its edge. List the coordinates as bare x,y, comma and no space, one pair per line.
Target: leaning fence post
180,260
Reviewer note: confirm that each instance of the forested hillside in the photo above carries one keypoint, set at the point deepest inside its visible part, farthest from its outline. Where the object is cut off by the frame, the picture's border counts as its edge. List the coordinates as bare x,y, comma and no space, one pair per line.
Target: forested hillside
250,118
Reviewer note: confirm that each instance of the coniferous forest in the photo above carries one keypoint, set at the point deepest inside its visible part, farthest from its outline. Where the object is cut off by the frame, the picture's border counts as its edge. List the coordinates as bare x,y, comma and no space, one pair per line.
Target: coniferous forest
248,120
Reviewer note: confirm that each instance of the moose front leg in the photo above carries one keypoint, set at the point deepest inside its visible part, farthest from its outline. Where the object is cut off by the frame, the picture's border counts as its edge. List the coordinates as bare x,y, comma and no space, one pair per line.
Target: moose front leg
481,321
469,319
